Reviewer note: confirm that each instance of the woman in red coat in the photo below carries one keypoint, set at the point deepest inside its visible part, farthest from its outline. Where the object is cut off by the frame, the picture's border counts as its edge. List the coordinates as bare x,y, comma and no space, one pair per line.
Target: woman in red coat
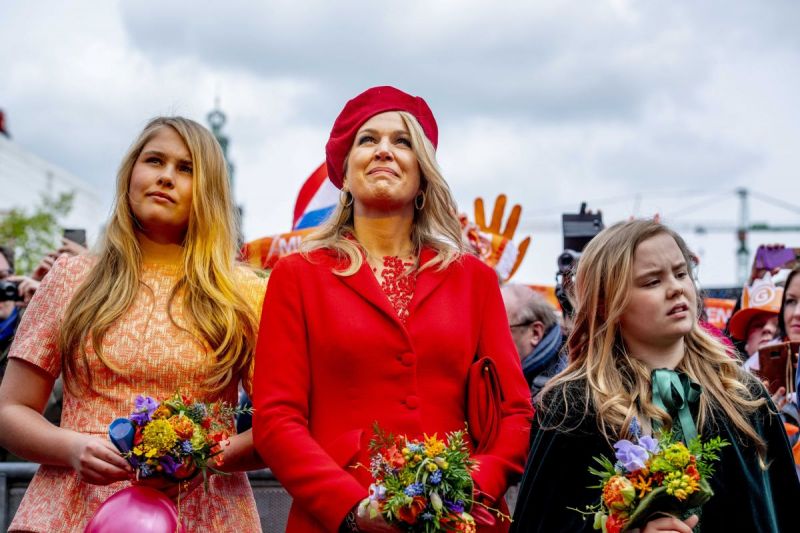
379,320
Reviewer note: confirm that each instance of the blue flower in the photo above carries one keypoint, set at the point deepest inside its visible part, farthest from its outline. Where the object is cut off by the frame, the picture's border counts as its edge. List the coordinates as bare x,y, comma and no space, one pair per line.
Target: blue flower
436,477
415,489
649,443
635,428
186,446
145,471
416,448
427,515
456,506
143,407
631,456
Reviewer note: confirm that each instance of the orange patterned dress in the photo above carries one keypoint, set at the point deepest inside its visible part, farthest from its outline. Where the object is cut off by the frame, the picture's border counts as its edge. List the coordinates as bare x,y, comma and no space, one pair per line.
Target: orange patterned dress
156,357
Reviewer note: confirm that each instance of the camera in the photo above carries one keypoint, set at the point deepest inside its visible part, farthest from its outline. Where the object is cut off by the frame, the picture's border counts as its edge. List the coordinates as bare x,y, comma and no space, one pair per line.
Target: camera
9,291
578,229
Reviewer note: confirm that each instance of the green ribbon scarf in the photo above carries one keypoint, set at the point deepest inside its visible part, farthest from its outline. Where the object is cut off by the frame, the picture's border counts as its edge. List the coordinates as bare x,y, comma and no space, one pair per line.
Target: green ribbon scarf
677,394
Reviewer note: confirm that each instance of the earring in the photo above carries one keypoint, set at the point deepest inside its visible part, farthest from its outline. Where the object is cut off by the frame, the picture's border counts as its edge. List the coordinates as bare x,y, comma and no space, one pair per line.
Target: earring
419,205
347,199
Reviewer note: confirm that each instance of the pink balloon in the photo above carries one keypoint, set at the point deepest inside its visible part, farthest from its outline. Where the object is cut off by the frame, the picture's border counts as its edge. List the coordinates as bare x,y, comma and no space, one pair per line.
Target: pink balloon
136,509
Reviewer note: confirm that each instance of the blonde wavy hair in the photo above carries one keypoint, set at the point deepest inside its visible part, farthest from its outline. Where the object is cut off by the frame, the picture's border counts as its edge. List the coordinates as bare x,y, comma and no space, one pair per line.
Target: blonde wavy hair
617,385
436,225
218,313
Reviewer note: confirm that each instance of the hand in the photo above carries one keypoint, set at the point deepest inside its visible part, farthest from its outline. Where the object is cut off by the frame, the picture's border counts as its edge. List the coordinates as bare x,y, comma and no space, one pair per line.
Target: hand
779,398
44,266
71,248
97,461
27,286
501,238
375,525
671,524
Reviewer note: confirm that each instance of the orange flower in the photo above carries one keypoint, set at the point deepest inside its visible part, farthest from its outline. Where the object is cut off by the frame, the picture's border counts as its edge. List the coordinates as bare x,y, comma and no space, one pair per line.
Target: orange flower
182,425
618,493
643,484
692,472
395,458
614,524
408,513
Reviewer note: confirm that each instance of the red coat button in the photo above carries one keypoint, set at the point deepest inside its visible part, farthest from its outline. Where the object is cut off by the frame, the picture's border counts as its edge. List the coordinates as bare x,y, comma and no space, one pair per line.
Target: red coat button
412,402
408,359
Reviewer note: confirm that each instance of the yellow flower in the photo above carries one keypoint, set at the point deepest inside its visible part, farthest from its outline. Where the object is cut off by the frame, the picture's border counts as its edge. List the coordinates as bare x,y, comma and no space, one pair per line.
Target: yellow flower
441,463
433,446
677,454
198,437
431,467
680,485
158,437
161,412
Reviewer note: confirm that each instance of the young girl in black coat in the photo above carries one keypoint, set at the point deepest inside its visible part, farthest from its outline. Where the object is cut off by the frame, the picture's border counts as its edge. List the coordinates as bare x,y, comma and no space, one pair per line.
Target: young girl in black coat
636,324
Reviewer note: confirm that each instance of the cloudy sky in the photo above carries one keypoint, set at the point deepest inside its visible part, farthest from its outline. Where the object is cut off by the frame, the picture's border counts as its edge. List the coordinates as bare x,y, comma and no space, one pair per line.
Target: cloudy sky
636,107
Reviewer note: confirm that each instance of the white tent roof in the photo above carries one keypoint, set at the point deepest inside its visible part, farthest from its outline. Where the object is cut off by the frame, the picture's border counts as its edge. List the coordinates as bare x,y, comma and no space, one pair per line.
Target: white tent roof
24,177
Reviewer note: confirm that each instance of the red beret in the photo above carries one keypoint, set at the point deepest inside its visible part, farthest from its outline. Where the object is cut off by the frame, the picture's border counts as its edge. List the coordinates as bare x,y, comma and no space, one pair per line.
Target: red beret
366,105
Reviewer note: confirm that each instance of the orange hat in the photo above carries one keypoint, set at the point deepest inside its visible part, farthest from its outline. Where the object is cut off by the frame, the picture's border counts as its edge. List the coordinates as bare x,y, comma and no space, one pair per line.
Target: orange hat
762,297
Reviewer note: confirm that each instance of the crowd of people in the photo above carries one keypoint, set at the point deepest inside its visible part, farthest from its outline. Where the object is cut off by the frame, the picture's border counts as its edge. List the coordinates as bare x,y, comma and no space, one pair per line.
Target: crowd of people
378,320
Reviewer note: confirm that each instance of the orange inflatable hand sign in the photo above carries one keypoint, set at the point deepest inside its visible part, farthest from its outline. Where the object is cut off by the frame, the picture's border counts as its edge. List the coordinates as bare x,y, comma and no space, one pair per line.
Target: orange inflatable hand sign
493,244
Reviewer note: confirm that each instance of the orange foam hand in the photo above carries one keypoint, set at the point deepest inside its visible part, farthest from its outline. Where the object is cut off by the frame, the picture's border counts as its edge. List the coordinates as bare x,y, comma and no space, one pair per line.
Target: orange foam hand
494,244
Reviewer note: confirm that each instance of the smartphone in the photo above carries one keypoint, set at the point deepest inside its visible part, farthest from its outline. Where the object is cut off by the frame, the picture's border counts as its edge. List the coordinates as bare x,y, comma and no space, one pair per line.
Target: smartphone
778,365
76,235
771,258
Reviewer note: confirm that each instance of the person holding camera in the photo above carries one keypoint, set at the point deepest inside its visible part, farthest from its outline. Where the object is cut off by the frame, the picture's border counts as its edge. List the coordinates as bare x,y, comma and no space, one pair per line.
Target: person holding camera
10,314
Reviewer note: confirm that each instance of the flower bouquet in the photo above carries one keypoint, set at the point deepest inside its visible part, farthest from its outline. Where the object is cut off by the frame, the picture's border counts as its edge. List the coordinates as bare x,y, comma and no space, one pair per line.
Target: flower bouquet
421,485
174,438
652,476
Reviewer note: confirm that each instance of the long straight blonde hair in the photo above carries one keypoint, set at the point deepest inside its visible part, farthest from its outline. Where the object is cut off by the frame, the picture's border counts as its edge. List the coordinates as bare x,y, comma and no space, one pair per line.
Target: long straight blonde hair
217,311
618,385
436,225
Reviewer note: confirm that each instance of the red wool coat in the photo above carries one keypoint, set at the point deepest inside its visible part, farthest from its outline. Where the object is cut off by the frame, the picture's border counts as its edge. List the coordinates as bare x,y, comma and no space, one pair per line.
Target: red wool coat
333,358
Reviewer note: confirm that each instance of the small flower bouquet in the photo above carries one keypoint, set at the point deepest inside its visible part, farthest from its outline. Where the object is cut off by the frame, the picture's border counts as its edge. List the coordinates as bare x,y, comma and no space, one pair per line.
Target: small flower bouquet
173,438
421,486
652,476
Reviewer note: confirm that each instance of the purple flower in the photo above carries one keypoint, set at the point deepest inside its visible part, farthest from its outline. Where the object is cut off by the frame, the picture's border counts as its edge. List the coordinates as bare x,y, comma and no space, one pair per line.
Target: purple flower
649,443
456,506
143,407
631,456
169,465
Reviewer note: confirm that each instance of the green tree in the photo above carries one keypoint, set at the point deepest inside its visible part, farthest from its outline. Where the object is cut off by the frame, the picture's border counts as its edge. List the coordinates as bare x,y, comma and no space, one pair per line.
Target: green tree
34,234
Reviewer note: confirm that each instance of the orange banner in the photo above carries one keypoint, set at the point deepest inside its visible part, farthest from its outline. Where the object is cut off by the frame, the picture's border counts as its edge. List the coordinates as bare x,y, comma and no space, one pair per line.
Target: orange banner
718,311
264,253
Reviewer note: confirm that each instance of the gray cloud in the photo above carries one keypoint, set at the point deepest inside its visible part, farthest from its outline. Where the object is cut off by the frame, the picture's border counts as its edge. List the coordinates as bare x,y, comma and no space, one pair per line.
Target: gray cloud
625,104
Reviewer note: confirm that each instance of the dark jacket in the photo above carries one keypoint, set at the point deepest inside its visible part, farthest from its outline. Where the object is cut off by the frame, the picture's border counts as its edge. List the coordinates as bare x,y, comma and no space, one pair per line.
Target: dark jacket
746,498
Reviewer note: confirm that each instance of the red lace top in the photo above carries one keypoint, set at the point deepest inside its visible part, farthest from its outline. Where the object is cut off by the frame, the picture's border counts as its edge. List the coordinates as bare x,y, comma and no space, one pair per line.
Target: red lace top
397,285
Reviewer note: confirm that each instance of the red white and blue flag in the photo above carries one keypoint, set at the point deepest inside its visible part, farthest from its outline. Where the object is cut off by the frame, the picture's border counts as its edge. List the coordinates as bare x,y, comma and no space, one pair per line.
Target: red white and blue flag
315,201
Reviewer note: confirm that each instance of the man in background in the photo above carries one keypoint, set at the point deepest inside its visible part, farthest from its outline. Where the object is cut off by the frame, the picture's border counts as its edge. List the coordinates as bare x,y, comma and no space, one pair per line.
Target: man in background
536,332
